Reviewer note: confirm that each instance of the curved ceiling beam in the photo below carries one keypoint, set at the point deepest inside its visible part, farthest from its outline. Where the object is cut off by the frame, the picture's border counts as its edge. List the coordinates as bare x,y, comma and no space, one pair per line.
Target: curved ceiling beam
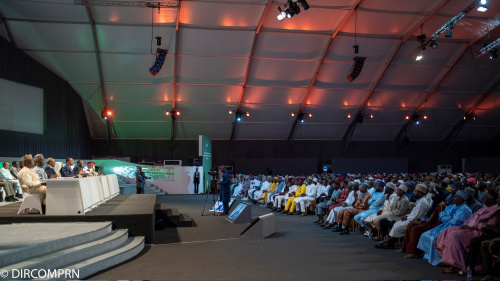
352,125
407,125
99,68
247,70
3,20
458,126
334,33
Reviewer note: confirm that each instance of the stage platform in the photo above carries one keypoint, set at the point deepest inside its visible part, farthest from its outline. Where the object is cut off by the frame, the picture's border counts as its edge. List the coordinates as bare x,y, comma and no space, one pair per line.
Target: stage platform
135,212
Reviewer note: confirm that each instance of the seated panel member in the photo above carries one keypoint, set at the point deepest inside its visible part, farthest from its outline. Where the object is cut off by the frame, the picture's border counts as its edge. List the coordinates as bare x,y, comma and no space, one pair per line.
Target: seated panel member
90,169
30,182
49,168
78,170
67,170
39,162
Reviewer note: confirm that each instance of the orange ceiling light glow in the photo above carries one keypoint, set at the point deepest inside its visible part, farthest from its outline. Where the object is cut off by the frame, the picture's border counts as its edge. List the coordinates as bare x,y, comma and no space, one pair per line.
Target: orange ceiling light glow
348,115
407,117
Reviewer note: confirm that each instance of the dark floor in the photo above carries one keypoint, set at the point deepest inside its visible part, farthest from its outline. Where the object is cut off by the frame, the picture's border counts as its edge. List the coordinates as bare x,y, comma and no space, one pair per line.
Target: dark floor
299,250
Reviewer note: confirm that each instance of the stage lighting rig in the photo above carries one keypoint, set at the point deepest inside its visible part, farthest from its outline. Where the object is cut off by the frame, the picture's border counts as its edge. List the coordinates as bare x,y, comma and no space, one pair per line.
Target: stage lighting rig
490,48
482,6
129,4
174,113
238,114
291,8
445,28
106,113
300,115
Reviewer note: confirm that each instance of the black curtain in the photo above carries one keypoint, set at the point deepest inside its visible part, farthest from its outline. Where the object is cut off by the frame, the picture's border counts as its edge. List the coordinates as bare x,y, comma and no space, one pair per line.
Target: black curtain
66,129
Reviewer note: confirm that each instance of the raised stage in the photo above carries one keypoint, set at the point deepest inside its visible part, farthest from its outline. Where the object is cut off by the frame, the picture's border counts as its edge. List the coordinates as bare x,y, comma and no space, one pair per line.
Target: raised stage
135,212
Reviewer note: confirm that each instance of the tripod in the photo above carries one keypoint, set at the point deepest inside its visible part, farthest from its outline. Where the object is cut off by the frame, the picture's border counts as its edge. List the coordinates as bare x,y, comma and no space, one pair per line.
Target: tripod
213,190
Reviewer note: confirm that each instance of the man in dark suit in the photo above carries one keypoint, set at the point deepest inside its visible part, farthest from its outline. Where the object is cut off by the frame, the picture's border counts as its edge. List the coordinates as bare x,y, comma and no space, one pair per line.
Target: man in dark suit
225,190
196,180
49,169
67,170
78,169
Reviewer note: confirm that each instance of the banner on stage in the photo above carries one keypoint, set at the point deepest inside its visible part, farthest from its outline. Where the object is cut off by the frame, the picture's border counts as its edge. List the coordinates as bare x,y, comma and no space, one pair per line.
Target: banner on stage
219,207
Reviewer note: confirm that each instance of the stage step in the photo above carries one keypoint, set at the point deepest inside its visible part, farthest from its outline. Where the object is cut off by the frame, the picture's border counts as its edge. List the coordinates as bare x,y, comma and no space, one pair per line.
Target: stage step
22,248
77,252
170,217
59,259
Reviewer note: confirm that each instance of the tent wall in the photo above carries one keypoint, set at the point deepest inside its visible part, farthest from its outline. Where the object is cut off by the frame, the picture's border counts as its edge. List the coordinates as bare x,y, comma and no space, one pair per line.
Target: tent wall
422,156
66,129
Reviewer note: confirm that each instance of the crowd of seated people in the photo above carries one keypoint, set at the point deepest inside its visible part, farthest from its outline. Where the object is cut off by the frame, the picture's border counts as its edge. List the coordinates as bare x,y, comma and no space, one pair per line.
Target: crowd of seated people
449,220
29,175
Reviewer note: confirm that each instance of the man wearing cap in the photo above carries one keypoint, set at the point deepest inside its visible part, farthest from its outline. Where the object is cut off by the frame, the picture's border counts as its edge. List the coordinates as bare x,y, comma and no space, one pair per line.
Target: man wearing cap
290,203
452,244
351,189
30,182
453,215
307,197
323,206
473,204
376,202
90,170
284,195
398,228
387,210
359,206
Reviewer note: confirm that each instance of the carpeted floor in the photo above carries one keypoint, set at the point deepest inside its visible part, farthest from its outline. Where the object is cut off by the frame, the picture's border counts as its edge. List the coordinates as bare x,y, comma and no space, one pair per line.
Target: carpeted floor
299,250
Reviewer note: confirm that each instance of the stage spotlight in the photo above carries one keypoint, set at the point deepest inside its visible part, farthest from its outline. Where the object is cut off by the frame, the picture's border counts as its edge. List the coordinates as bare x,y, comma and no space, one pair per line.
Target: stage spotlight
416,119
371,116
167,113
348,115
310,115
106,114
161,54
482,6
177,113
419,57
300,116
238,116
293,114
493,54
281,15
304,4
425,117
407,117
449,34
248,114
356,68
421,38
433,44
230,112
293,10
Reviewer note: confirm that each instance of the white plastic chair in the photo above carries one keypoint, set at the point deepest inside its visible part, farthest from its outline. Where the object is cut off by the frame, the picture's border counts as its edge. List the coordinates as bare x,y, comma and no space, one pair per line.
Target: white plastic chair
31,201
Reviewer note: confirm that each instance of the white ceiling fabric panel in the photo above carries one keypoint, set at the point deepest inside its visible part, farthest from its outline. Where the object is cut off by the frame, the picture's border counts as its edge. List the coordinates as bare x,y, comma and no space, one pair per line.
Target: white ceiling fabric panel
367,132
143,130
409,78
213,130
88,91
51,36
425,132
325,115
60,10
307,131
277,45
262,131
398,5
69,66
336,98
451,101
268,72
395,99
227,71
381,23
208,94
374,49
269,113
215,43
117,39
125,15
135,68
139,92
273,95
204,113
334,75
468,80
219,14
311,20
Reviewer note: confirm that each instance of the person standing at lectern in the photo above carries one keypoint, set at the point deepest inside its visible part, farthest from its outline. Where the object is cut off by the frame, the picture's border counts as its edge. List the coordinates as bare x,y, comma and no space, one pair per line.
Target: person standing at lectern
140,180
196,180
225,190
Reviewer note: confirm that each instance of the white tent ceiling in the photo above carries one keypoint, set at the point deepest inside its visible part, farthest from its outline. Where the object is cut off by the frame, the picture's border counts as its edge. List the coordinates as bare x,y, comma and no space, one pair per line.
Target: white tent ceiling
229,53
